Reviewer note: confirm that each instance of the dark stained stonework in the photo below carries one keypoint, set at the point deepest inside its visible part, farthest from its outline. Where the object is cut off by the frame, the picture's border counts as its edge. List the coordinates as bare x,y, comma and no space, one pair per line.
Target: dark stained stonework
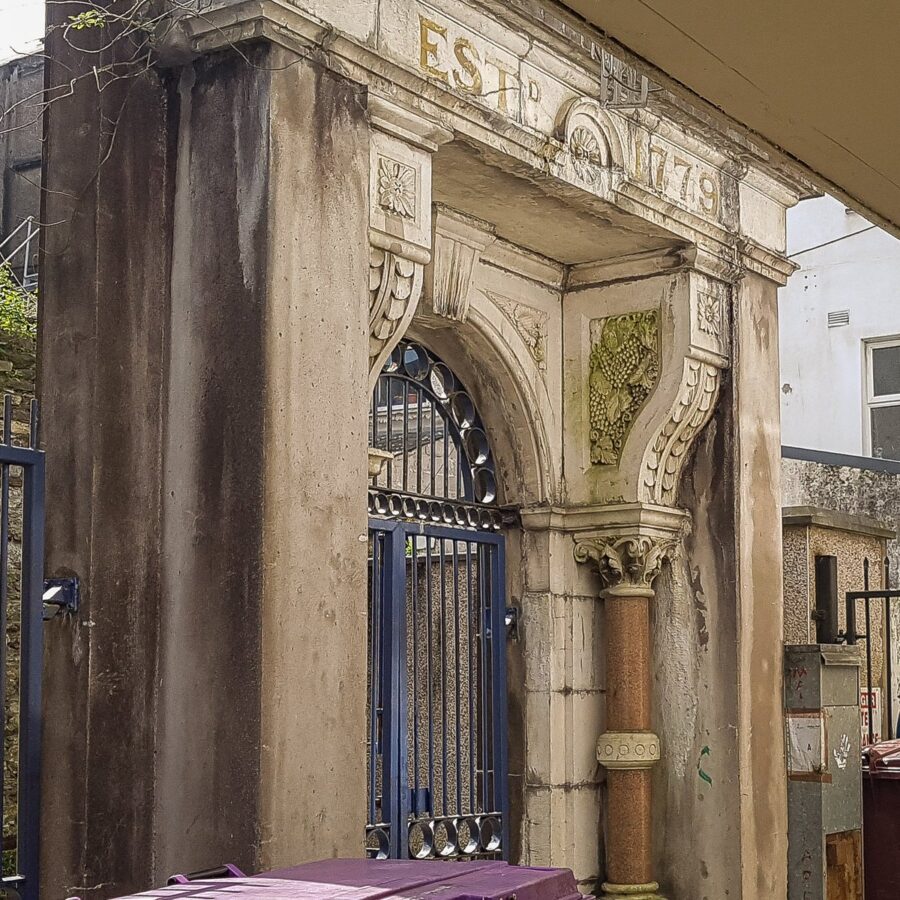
154,383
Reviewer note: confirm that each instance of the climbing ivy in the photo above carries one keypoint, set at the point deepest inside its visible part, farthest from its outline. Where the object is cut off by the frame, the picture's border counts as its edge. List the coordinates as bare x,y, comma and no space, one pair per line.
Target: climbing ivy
18,306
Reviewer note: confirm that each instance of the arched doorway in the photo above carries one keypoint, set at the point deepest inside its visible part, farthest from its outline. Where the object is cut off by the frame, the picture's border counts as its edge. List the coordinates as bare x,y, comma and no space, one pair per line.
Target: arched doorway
437,761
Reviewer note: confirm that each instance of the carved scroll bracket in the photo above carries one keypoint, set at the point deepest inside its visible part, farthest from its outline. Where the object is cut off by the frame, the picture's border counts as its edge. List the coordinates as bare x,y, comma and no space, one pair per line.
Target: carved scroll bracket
400,233
693,402
653,379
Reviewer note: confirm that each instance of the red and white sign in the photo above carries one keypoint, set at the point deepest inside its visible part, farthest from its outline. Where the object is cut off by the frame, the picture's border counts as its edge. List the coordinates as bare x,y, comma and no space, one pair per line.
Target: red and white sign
870,706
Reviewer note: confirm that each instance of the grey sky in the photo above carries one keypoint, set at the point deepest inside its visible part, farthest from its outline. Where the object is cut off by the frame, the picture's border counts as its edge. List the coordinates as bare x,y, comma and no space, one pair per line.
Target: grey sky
21,21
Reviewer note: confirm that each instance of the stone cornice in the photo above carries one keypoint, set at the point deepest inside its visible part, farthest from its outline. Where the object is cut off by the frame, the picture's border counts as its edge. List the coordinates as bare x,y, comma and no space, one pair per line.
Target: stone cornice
624,268
594,520
227,23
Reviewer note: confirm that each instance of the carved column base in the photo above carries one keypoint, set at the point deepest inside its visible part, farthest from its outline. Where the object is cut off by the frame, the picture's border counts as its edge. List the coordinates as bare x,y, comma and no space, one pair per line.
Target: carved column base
632,891
628,749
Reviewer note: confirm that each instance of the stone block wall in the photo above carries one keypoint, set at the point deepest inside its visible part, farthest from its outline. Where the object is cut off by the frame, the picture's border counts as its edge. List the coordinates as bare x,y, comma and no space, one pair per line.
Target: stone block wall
850,489
869,496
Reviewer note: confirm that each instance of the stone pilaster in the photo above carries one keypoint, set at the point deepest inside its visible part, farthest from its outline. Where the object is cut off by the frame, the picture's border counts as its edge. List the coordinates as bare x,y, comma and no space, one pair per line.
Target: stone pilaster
628,559
400,233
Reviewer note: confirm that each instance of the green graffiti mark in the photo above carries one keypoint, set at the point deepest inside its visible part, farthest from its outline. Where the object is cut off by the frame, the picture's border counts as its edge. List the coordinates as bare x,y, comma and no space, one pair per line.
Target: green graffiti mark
704,752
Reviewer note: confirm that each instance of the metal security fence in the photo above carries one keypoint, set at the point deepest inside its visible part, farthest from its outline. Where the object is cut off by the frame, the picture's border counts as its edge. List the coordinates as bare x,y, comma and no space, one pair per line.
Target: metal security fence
888,597
21,614
437,762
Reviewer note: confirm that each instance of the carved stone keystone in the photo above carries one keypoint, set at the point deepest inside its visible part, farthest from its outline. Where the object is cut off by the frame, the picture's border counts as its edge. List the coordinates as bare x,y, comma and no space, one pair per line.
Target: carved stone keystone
459,241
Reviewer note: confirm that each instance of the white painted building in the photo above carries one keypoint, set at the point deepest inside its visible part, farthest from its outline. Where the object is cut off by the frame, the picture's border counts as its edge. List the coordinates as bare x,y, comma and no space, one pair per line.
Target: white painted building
840,334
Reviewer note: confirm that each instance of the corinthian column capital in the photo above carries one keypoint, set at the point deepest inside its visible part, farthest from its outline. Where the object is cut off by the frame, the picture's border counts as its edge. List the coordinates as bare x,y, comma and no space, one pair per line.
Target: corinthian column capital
630,561
627,545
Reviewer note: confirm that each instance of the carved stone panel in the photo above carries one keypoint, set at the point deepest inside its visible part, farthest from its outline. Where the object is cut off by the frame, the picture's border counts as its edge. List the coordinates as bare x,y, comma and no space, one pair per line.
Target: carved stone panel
530,323
624,370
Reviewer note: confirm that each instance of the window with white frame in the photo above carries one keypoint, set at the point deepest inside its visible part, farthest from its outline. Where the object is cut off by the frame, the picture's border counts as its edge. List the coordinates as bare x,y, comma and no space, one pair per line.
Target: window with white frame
883,396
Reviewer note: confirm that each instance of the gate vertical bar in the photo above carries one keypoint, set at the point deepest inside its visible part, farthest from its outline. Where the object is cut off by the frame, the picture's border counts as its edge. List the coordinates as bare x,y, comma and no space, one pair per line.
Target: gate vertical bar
472,620
376,677
31,665
869,687
498,696
396,712
443,644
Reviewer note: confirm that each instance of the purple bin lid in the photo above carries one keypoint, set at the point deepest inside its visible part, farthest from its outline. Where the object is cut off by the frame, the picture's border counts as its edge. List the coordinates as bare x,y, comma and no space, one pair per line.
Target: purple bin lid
370,879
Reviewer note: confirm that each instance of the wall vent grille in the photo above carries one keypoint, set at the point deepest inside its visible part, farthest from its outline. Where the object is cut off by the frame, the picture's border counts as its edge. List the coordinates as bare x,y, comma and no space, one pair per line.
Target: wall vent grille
838,317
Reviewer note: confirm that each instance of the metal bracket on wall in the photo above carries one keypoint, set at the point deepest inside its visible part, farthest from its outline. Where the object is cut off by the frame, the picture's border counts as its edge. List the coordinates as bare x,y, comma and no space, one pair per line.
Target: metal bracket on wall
511,620
61,596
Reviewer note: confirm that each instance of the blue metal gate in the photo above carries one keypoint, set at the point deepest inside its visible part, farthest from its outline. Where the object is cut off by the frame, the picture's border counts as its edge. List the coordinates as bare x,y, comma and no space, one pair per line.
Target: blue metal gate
21,614
437,761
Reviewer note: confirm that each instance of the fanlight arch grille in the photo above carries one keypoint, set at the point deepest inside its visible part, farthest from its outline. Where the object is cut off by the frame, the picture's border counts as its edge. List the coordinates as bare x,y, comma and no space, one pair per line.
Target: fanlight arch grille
442,468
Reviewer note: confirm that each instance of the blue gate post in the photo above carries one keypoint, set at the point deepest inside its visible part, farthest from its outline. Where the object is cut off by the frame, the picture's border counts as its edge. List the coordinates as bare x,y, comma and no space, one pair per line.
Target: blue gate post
31,666
26,881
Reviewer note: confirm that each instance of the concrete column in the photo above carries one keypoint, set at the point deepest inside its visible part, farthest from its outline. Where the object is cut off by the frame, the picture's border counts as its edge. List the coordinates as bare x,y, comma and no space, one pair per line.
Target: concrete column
313,602
562,702
759,590
205,391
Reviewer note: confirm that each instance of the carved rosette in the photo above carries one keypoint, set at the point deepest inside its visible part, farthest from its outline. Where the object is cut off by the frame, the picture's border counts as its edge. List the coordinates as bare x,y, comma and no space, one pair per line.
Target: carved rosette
631,561
591,144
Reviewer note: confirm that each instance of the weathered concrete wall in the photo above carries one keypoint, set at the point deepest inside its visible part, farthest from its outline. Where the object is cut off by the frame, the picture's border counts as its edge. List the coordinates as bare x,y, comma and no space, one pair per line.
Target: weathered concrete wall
207,722
696,680
104,290
759,590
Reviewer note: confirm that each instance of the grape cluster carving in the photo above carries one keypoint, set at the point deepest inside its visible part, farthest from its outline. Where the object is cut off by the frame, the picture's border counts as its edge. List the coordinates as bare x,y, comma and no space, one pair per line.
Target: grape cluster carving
624,371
